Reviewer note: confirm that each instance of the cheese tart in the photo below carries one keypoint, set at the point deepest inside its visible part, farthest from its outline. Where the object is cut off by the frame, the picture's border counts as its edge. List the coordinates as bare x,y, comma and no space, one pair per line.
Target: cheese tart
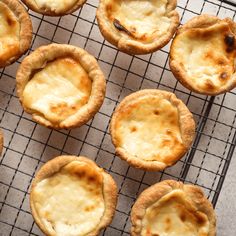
62,86
72,196
138,27
152,129
202,55
15,31
54,7
173,208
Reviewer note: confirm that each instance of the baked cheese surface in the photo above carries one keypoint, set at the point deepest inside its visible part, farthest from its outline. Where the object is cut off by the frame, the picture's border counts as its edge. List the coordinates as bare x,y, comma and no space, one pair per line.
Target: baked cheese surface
70,202
148,128
9,34
144,20
58,90
173,215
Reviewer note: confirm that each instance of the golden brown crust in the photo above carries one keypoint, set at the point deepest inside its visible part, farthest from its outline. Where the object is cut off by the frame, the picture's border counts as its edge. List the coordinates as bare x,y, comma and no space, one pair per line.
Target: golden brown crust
186,122
25,36
200,24
38,59
1,142
48,12
128,44
154,193
109,189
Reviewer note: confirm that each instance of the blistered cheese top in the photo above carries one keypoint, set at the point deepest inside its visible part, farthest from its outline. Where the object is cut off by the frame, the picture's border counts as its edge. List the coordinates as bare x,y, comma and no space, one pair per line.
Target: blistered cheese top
173,215
56,6
145,20
149,129
70,202
58,91
206,56
9,34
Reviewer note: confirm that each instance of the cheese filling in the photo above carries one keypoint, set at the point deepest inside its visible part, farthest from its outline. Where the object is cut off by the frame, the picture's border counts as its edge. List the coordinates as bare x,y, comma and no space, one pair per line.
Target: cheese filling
173,215
9,34
205,56
58,91
143,20
70,202
149,129
56,6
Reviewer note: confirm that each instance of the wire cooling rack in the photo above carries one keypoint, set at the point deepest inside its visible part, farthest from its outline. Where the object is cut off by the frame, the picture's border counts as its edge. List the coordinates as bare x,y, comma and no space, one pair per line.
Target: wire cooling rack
28,145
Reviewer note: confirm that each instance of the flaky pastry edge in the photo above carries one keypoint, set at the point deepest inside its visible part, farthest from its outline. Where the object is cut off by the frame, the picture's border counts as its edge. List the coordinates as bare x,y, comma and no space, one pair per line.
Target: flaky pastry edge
109,190
187,128
154,193
199,22
26,30
130,45
39,58
33,6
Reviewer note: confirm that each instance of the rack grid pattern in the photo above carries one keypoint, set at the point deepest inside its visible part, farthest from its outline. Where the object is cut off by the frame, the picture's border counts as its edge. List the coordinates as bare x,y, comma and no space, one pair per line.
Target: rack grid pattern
28,145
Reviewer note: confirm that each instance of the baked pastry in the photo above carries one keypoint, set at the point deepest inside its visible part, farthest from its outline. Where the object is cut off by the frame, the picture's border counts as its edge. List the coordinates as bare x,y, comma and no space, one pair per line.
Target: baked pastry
62,86
54,7
151,129
72,196
138,27
15,31
202,55
173,208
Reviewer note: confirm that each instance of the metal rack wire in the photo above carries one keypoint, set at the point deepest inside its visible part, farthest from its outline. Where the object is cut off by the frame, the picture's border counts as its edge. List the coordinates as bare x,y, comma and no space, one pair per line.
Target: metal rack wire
28,145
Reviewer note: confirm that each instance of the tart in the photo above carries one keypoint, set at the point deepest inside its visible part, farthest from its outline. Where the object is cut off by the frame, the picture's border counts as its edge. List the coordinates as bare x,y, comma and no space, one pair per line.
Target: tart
138,27
54,7
62,86
173,208
72,196
15,31
202,55
151,129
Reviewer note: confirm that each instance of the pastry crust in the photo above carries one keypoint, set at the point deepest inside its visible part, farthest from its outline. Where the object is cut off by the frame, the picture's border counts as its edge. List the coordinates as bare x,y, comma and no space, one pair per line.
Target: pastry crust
25,34
38,60
211,72
125,39
185,124
151,195
109,190
53,12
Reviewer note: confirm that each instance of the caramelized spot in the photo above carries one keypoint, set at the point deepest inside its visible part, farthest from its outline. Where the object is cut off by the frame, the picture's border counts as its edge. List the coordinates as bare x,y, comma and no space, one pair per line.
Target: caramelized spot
91,179
200,219
156,112
10,22
165,142
109,7
221,62
80,174
168,224
223,75
230,42
120,27
209,85
133,129
169,132
183,216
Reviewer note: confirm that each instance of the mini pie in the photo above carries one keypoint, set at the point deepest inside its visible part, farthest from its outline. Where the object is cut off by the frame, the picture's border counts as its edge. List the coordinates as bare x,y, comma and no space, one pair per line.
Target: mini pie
62,86
15,31
54,7
173,208
72,196
202,55
152,129
138,27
